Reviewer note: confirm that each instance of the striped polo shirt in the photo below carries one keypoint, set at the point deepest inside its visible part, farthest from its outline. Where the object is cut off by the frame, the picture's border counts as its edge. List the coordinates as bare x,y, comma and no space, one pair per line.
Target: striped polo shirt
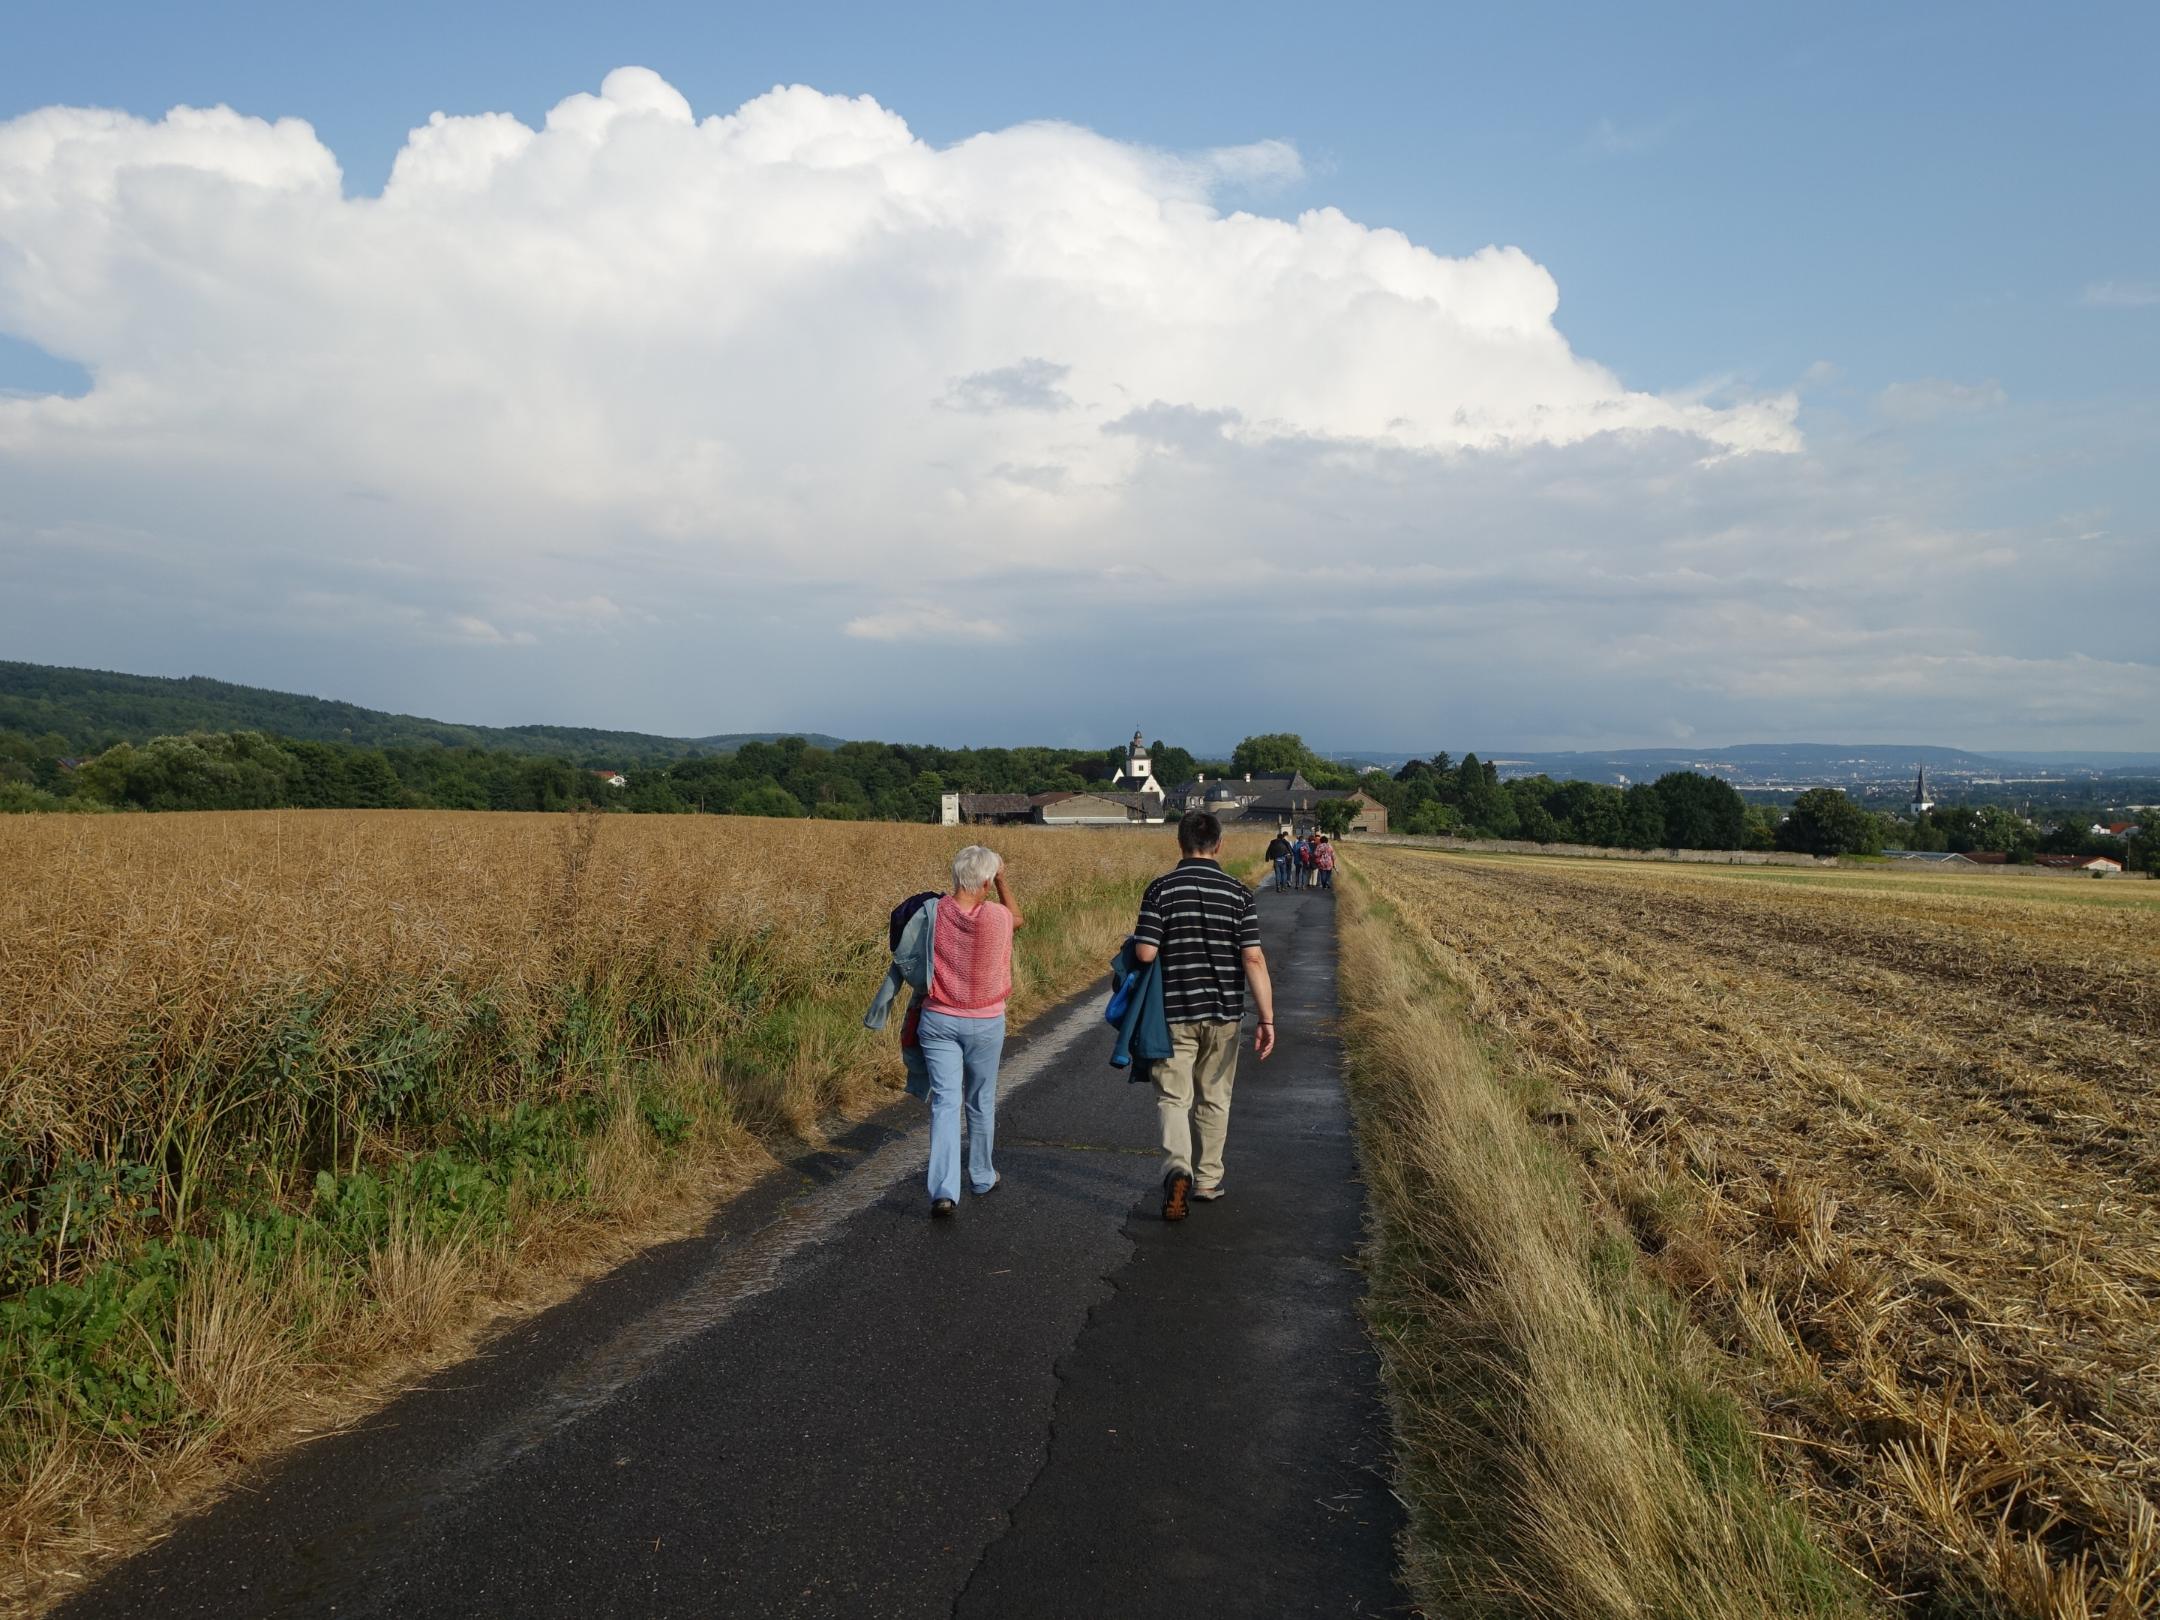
1202,919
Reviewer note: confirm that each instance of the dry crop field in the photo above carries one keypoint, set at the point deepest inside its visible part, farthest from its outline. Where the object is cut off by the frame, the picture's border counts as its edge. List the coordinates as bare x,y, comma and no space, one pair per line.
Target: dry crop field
282,1092
1896,1144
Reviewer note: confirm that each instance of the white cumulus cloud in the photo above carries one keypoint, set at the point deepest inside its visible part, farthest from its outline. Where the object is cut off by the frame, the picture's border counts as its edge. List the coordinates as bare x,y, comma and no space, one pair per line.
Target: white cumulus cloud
788,387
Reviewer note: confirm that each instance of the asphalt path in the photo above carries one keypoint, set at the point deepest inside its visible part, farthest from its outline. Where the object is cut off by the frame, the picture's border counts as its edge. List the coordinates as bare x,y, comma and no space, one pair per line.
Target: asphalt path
828,1404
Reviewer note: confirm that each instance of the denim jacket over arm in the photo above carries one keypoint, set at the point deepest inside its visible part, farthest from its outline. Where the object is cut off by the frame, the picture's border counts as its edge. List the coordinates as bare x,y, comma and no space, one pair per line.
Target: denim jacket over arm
1136,1013
911,963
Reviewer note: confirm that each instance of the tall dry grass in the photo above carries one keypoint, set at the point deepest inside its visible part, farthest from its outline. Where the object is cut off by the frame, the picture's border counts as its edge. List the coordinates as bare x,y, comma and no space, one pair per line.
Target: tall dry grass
1894,1146
286,1096
1562,1445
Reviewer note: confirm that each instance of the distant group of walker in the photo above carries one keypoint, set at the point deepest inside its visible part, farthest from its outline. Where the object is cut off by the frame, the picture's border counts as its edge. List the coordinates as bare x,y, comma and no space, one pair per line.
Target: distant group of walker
1306,861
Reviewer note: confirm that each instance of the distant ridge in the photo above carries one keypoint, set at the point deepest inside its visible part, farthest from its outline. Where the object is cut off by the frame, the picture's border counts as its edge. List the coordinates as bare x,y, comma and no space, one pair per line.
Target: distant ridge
1747,764
94,708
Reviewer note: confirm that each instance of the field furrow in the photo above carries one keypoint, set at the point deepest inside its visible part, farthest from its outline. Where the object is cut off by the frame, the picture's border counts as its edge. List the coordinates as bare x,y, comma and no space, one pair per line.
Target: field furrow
1897,1148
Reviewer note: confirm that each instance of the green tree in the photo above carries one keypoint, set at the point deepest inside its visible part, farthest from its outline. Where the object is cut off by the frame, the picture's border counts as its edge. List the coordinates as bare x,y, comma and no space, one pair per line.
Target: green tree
1273,753
925,797
1588,812
1701,812
770,799
1486,810
2143,854
653,793
1823,821
1995,828
20,798
1642,818
370,783
1335,815
1534,822
1432,819
1173,766
203,771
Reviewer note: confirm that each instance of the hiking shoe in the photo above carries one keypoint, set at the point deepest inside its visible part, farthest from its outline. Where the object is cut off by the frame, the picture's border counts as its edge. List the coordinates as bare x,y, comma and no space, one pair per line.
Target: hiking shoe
1176,1187
1206,1194
942,1209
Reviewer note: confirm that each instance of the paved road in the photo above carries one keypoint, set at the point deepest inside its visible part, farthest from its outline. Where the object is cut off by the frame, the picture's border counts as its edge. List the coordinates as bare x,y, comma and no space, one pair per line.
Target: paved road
827,1404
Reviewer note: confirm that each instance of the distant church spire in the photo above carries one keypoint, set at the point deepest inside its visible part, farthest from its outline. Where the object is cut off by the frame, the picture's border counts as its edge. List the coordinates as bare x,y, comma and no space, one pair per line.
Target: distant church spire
1137,774
1921,803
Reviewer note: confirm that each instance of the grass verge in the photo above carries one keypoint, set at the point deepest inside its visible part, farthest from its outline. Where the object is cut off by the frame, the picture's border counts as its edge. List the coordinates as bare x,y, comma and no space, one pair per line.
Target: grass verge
1563,1445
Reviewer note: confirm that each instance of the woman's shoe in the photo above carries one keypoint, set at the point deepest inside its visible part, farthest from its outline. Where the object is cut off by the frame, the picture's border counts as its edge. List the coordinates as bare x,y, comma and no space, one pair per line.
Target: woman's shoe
941,1209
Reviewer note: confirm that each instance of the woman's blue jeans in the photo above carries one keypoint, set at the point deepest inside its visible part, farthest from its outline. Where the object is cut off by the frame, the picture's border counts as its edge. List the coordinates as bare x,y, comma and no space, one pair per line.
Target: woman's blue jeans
962,1057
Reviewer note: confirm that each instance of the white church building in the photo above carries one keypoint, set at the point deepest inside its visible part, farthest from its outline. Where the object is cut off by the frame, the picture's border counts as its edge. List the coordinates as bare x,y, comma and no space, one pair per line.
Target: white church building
1137,774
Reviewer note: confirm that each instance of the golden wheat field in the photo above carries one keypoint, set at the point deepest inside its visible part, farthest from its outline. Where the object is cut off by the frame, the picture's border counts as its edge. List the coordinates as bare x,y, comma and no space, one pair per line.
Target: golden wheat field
284,1094
163,943
1896,1143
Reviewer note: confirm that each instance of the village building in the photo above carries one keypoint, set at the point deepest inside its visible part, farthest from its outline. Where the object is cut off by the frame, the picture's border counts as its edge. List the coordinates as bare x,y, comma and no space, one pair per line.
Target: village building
1084,810
2098,865
1298,808
1145,807
1137,774
1232,796
1060,809
613,779
1284,798
984,809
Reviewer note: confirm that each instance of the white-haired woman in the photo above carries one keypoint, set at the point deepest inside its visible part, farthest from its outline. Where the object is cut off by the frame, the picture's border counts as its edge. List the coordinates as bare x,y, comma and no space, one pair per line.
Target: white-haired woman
962,1029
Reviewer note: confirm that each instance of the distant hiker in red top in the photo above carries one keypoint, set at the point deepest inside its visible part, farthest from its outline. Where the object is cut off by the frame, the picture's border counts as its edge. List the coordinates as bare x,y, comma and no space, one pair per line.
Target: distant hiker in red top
962,1031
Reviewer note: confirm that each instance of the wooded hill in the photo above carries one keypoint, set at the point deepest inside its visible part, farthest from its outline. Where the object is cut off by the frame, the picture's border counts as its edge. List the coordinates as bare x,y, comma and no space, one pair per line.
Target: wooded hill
92,709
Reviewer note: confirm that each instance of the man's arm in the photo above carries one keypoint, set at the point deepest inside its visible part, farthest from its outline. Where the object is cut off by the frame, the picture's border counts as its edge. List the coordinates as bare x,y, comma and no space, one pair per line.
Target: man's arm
1263,995
1147,933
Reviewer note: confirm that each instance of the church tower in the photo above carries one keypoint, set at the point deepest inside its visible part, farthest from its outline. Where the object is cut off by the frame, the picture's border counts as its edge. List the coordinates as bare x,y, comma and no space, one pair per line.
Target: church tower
1138,773
1921,803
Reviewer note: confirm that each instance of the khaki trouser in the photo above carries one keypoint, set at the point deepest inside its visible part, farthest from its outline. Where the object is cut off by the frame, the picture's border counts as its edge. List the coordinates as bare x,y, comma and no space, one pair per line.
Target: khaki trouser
1192,1090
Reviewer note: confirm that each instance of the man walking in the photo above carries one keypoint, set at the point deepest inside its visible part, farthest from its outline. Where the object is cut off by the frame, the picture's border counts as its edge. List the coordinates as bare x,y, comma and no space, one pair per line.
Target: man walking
1203,923
1279,853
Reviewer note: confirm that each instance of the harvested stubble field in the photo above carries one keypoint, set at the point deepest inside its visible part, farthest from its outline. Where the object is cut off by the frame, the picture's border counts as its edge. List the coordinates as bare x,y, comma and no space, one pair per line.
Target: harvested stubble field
286,1097
1895,1142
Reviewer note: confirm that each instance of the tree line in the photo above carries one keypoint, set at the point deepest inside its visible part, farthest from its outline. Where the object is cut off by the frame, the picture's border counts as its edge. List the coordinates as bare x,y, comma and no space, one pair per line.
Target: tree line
874,781
253,770
1687,810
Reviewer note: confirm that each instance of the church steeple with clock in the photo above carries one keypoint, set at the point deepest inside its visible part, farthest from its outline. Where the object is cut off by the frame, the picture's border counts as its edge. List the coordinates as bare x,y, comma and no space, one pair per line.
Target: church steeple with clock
1137,774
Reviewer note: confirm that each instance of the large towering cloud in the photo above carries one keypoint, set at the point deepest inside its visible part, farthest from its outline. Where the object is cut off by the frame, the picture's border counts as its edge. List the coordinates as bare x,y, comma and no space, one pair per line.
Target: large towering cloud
794,372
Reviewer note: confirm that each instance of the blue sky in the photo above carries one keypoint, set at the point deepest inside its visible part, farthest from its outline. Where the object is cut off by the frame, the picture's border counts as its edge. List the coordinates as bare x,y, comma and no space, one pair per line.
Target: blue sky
1934,230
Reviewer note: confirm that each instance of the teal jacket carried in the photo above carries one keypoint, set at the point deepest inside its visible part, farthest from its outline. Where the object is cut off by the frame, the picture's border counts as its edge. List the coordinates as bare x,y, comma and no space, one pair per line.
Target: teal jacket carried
1136,1013
910,967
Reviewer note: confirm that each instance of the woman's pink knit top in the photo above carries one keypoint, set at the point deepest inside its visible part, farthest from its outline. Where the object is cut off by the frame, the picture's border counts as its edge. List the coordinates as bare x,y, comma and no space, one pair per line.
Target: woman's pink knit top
971,960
